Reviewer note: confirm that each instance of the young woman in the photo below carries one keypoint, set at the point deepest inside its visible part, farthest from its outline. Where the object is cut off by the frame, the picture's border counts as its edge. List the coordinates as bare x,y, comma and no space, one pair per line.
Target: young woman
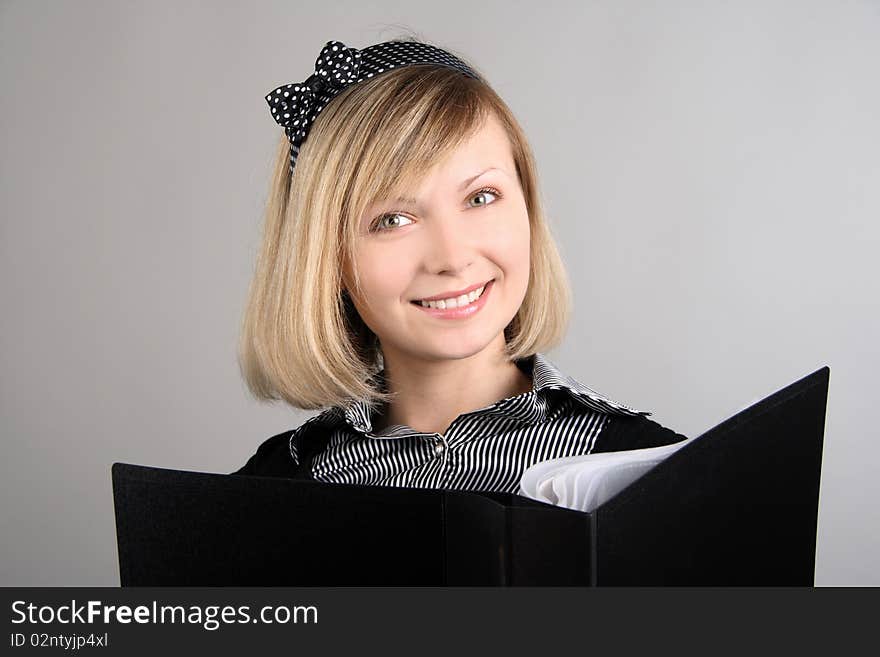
408,282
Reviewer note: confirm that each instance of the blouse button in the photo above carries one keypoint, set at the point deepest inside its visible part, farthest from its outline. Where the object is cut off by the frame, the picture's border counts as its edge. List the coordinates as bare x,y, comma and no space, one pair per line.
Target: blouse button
438,449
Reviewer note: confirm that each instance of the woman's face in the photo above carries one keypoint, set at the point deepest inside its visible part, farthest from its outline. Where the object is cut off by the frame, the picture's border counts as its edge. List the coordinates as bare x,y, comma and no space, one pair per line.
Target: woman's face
465,227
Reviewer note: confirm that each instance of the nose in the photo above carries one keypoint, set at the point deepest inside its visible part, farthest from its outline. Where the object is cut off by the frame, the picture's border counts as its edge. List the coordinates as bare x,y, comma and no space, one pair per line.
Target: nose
449,248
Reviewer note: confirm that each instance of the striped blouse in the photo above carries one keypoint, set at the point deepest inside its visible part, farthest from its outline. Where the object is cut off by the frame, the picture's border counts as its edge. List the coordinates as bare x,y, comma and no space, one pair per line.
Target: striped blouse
484,450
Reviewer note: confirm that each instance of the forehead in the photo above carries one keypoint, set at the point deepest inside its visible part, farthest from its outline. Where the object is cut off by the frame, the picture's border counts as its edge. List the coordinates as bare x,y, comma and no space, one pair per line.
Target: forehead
490,136
488,147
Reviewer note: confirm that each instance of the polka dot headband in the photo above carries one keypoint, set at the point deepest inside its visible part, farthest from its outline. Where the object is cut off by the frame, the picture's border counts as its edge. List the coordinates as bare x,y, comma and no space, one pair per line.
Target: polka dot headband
294,106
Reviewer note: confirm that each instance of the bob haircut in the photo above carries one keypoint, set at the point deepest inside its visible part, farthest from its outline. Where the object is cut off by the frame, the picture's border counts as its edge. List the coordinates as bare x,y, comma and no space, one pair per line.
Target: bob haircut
301,338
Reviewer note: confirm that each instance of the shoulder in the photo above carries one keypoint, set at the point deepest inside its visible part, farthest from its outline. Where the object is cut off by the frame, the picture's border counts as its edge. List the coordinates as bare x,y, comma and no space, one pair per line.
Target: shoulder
623,432
273,458
547,377
287,454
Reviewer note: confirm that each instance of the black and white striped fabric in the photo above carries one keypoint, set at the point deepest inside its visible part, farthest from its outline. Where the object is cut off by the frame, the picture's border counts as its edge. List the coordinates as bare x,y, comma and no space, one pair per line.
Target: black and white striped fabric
295,106
485,450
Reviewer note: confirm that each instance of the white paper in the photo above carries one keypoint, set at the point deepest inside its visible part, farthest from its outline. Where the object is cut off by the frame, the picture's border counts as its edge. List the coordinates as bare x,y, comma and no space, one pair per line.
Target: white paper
586,482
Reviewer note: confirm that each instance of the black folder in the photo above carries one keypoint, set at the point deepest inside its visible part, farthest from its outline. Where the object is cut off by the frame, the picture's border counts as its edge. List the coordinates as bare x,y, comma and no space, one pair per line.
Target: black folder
736,506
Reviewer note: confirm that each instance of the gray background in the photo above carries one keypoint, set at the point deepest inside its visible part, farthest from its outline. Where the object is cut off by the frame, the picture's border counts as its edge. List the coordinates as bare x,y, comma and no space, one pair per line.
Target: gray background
710,170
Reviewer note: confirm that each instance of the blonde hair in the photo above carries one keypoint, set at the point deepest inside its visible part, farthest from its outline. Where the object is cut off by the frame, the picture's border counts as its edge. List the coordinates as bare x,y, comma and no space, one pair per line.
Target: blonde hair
302,339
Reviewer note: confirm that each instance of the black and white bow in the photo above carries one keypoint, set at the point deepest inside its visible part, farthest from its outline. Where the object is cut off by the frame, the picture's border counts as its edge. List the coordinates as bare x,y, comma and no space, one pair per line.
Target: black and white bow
294,106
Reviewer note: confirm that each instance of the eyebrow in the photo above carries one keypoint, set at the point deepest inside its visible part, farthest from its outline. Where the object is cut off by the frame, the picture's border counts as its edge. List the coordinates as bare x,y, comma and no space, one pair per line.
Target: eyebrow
465,183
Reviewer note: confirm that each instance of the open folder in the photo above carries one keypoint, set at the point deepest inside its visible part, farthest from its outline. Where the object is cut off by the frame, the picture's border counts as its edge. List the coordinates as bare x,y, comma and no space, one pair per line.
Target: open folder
735,506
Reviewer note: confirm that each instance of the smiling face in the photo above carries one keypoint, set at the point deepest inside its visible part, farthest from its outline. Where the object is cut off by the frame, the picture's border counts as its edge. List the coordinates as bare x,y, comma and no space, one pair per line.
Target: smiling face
467,225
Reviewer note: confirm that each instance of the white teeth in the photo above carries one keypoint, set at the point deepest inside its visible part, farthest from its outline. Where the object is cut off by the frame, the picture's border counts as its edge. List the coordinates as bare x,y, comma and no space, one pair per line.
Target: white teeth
455,302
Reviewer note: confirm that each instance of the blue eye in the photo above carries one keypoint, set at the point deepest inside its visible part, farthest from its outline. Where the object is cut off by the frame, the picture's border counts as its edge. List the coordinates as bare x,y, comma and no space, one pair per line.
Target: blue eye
379,225
483,192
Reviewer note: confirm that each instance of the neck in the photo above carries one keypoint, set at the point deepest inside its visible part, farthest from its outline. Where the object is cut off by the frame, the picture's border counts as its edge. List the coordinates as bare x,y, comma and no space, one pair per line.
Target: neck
430,394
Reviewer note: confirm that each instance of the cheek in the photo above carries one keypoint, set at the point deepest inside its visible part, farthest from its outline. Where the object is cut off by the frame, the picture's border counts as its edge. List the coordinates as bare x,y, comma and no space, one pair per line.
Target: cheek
384,275
513,247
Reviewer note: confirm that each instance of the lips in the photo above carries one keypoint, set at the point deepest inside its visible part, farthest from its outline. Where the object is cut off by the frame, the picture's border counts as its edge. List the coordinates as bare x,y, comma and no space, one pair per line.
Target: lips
459,312
453,293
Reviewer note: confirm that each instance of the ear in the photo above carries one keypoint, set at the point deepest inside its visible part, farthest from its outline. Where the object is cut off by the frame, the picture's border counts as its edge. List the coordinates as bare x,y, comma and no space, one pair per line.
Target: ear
344,291
343,277
344,282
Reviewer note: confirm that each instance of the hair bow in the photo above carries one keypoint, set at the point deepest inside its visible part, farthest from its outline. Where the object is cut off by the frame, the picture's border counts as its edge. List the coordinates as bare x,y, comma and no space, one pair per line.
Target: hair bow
293,105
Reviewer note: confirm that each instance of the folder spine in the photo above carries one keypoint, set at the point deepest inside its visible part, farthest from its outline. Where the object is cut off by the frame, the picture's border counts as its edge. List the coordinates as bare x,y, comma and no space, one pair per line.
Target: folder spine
593,524
444,541
507,556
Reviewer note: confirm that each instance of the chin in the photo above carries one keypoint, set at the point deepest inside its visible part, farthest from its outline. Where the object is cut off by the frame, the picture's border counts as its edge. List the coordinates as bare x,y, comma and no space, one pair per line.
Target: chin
453,349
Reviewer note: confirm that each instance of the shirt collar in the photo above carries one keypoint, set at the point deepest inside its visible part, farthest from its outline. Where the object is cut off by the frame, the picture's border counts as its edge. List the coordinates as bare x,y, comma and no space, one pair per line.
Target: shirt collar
530,407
